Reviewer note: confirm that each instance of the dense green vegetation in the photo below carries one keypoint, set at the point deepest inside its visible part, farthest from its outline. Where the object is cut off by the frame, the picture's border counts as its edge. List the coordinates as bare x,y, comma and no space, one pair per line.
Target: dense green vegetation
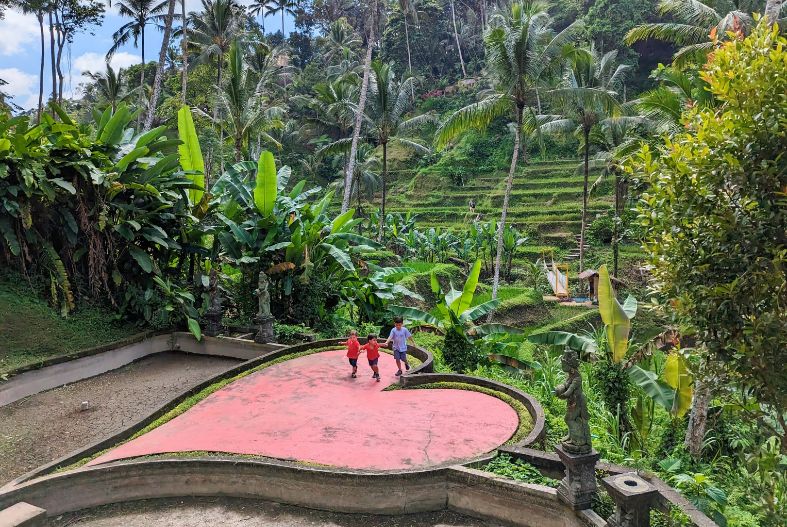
470,144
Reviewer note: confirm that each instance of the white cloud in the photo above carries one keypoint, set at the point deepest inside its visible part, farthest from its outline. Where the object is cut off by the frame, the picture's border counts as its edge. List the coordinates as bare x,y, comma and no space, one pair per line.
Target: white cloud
21,86
19,31
96,62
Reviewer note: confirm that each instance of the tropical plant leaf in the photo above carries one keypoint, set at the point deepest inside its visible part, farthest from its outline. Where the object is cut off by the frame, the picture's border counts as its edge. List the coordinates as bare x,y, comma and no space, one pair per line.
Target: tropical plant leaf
677,376
190,153
562,338
661,393
266,187
142,258
465,300
339,255
412,313
613,315
483,330
476,312
513,362
194,328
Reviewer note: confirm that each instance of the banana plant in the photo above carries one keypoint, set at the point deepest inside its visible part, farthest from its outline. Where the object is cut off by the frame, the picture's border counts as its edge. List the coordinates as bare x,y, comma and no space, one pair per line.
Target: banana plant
456,318
616,317
671,388
191,160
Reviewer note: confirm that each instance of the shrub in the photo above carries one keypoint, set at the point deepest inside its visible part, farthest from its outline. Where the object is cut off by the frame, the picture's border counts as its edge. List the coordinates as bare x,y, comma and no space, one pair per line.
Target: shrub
601,229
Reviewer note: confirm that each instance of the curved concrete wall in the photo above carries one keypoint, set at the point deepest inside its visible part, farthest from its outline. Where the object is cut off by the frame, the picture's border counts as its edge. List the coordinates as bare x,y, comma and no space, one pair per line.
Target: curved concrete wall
465,490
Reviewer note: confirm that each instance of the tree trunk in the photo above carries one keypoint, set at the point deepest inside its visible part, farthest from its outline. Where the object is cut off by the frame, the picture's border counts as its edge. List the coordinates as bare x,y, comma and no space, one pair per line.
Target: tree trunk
184,45
615,233
61,42
584,201
282,23
218,88
348,174
160,66
409,59
456,37
52,59
772,10
698,419
142,80
40,16
382,208
506,198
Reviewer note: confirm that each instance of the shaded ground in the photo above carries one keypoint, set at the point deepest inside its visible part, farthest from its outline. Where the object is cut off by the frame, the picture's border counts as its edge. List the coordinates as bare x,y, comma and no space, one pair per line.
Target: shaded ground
310,409
31,331
46,426
229,512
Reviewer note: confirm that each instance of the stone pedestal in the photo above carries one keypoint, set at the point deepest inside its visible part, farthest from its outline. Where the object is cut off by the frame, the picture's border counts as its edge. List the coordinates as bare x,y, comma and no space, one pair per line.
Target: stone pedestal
212,322
633,497
578,487
265,332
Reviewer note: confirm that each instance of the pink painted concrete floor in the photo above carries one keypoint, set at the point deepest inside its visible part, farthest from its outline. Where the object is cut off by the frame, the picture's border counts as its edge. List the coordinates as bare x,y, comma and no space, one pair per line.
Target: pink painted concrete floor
310,409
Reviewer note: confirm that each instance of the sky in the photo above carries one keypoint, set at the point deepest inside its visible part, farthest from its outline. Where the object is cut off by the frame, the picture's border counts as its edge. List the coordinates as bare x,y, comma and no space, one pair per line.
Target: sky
20,52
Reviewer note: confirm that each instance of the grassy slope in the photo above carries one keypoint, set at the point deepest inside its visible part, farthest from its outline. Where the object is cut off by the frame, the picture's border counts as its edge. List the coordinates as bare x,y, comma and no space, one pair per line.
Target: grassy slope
31,331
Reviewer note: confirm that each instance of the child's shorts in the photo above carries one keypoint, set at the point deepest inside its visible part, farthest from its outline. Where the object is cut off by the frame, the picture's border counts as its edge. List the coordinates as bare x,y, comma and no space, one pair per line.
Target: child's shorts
373,362
353,362
400,355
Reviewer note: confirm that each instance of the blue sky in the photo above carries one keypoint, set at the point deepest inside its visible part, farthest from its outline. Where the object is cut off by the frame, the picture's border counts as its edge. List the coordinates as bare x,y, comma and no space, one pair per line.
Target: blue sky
20,52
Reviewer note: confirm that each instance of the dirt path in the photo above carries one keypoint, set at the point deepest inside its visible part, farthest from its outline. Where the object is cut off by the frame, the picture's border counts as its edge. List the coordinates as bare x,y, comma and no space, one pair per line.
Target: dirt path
46,426
228,512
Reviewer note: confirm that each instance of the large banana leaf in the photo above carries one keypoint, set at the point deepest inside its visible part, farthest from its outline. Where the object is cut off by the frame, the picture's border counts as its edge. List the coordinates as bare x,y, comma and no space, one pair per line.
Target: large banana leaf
266,187
476,312
661,393
677,376
483,330
615,318
513,363
190,153
342,257
412,313
463,302
562,338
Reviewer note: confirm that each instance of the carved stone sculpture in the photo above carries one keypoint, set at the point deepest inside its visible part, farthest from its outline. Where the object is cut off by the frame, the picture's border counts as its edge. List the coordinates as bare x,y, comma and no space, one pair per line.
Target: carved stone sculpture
264,319
578,440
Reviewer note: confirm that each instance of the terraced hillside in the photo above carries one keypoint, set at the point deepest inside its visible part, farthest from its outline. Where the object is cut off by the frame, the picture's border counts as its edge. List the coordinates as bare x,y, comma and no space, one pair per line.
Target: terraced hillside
546,202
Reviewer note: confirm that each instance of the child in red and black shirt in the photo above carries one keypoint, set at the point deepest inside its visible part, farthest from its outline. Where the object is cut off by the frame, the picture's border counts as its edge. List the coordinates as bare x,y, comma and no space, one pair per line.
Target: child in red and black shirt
372,349
353,350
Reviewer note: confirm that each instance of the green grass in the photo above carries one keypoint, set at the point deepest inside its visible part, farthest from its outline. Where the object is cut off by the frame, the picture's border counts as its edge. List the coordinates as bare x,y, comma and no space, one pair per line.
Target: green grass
31,331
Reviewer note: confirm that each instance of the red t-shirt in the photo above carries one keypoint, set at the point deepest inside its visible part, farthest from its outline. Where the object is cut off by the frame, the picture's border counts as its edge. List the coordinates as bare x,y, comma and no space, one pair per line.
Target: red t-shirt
372,350
353,348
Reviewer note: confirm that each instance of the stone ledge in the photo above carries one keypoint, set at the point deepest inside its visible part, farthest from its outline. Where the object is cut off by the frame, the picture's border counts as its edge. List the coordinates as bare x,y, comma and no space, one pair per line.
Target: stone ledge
22,515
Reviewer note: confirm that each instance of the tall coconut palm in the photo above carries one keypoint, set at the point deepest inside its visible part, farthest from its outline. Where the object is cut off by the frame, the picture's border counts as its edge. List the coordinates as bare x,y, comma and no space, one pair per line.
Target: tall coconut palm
245,103
521,50
339,42
374,15
692,23
109,86
159,77
283,7
456,39
388,102
260,8
587,96
141,13
408,7
213,31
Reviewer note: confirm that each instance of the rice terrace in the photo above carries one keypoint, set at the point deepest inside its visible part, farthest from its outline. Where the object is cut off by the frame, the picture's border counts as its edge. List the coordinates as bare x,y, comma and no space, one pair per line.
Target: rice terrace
393,263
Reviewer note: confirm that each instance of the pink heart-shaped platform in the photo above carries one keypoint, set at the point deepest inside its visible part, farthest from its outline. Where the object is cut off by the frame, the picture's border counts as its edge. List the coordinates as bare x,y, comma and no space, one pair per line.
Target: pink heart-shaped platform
310,409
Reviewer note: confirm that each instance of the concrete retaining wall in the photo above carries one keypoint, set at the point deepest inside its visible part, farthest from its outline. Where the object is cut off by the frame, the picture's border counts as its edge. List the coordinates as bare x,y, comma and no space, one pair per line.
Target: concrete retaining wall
90,364
465,490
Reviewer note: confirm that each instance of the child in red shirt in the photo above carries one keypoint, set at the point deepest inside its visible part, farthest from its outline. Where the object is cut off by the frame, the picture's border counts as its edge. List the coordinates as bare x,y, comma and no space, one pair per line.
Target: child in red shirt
353,350
372,349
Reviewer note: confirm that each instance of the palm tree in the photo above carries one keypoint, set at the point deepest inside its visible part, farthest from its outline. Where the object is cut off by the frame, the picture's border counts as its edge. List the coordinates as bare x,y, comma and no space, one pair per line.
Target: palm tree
587,96
375,14
694,22
184,47
168,19
456,38
408,8
521,50
260,8
212,34
141,13
109,86
285,7
247,108
339,41
389,100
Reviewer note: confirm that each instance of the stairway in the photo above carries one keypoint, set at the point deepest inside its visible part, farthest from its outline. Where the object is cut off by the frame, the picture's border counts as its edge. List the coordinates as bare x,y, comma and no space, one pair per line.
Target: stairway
574,254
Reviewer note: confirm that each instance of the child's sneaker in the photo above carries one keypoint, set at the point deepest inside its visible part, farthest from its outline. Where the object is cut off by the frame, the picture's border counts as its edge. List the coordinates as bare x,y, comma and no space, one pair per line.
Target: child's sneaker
407,366
353,376
378,378
398,373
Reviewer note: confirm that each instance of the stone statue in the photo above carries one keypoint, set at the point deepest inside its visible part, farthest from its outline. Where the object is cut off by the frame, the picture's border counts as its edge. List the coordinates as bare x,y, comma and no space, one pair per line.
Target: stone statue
263,296
214,312
264,319
577,417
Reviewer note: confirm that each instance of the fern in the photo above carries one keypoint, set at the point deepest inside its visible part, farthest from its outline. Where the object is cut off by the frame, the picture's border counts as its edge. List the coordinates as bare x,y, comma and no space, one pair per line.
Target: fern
59,279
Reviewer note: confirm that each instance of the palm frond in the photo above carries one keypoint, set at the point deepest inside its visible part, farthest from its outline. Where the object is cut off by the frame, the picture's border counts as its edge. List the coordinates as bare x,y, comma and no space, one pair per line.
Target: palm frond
474,116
